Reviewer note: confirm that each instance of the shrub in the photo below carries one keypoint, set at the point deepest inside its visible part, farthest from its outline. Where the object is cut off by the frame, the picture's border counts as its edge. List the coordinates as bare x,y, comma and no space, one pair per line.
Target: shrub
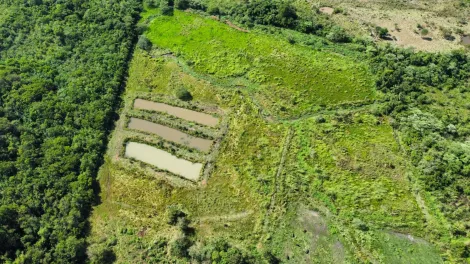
338,34
173,212
166,8
141,28
213,10
183,94
424,32
179,247
144,43
381,32
151,3
338,10
182,4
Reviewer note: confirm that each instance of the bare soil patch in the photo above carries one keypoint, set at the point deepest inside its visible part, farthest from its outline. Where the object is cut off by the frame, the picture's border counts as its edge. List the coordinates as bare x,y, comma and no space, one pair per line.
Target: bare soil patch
327,10
163,160
170,134
190,115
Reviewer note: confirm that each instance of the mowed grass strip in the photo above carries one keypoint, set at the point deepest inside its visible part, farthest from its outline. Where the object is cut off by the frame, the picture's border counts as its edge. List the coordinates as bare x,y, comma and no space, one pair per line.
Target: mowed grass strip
306,77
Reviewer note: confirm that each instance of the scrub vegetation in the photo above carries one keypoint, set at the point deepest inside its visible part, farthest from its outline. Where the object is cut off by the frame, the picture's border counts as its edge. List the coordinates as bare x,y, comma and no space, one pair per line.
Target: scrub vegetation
326,147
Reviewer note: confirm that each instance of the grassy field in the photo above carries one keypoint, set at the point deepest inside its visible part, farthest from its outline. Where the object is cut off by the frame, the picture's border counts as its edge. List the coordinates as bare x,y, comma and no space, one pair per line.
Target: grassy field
287,80
326,188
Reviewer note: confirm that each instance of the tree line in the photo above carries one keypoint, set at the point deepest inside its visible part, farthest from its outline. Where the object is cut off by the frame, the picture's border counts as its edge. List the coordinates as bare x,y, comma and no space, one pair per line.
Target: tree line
61,68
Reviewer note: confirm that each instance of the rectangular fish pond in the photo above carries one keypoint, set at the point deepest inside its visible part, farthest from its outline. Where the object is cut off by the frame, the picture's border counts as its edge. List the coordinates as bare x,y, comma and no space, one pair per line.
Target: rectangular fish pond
163,160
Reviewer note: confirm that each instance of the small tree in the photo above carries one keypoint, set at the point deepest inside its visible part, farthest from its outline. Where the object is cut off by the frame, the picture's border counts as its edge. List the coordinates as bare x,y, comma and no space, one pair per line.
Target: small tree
166,8
179,247
151,3
213,10
338,34
183,94
173,213
144,43
382,32
182,4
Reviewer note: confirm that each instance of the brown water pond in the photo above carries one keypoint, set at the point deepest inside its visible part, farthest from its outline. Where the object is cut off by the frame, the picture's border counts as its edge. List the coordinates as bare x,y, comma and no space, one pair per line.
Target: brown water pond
163,160
183,113
170,134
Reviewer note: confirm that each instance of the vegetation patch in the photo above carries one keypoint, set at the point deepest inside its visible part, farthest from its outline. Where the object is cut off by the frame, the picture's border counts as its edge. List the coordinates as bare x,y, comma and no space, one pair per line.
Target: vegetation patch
287,79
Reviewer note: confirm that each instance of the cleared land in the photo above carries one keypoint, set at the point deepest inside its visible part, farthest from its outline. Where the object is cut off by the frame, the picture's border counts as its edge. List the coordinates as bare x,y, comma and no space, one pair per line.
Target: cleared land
163,160
186,114
404,20
170,134
341,188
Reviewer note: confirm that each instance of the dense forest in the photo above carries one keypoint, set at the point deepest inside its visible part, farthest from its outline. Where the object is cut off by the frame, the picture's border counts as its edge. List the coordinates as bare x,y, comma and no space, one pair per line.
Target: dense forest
62,65
61,68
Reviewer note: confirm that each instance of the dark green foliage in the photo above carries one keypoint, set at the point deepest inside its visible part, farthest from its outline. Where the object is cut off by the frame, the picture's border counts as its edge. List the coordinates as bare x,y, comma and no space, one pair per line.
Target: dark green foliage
59,85
381,32
213,10
275,13
182,4
173,213
435,138
338,34
220,251
179,247
166,8
183,94
144,43
151,3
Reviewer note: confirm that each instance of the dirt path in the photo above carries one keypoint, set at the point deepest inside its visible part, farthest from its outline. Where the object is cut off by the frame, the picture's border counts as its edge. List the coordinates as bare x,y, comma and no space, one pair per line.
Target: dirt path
278,181
228,22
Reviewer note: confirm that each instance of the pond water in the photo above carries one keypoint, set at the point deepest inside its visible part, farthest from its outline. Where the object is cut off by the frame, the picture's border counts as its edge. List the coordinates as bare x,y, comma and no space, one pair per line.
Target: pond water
179,112
170,134
163,160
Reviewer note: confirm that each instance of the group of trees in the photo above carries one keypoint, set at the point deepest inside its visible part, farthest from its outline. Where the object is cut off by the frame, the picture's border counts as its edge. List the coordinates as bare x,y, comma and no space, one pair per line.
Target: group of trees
61,68
435,137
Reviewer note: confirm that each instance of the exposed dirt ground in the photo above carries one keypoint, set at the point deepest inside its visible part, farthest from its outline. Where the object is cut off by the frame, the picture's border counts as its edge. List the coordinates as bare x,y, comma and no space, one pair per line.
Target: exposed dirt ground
402,18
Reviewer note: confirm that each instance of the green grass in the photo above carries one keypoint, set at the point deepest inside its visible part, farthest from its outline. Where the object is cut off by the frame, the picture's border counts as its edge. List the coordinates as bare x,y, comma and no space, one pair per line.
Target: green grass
360,168
288,80
348,169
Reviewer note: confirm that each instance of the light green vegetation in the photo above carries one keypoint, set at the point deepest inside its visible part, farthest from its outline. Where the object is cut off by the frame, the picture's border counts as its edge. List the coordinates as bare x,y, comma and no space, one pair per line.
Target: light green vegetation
287,80
331,188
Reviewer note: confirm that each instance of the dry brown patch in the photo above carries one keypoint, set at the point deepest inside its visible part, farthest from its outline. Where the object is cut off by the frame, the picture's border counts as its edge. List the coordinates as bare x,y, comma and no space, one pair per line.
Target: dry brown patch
327,10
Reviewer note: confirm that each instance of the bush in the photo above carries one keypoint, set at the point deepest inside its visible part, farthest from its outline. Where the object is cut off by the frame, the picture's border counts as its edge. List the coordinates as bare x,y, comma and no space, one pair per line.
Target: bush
182,4
166,8
183,94
338,34
141,28
151,3
179,247
103,255
424,32
381,32
144,43
173,213
213,10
